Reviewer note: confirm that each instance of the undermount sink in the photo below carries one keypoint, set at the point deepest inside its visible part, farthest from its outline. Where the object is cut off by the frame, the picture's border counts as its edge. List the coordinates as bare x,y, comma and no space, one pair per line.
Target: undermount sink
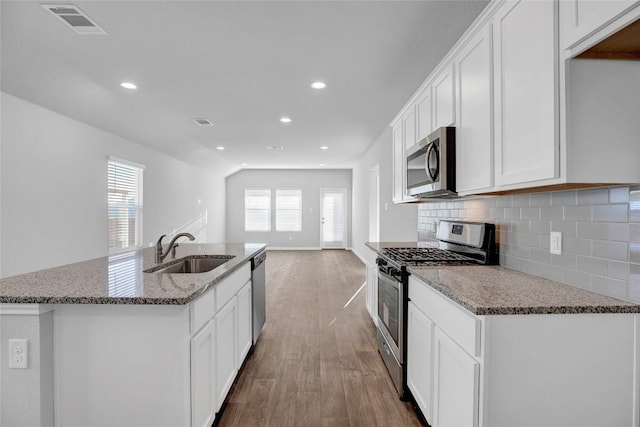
192,264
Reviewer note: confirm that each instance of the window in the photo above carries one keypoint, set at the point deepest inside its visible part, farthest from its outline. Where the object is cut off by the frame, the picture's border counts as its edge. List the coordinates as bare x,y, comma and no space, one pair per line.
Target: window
288,210
125,205
257,209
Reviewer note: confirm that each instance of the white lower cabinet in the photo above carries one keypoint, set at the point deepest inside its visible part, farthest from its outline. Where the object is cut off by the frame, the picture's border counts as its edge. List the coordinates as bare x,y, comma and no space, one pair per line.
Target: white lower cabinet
151,365
245,331
203,384
226,345
420,359
455,381
552,370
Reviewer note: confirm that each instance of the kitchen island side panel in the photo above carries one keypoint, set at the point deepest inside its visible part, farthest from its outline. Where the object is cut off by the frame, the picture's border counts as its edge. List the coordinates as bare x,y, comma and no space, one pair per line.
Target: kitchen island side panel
122,365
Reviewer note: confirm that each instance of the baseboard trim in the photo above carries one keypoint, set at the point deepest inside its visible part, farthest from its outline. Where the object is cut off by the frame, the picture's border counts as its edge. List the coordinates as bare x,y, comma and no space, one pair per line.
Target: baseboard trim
364,261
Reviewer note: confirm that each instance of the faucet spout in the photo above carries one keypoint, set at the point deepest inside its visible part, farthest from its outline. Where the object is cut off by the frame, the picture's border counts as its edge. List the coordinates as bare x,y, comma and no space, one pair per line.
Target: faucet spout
160,256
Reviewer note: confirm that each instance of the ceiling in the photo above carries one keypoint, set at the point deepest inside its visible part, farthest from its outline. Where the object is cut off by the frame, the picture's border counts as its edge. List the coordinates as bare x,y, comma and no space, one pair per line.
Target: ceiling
241,64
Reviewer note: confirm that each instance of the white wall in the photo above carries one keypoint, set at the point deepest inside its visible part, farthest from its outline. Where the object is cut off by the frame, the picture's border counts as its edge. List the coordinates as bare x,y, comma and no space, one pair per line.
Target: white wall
398,223
54,184
309,181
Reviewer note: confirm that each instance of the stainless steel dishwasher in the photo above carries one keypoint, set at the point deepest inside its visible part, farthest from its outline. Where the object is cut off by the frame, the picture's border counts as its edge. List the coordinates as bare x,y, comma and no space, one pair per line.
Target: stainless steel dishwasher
258,293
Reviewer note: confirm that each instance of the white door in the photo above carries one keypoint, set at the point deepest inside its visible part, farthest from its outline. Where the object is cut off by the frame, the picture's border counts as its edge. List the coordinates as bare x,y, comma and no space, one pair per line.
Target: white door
333,223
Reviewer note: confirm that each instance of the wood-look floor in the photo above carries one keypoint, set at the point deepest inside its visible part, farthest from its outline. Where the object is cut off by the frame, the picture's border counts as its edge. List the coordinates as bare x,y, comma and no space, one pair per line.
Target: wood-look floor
316,362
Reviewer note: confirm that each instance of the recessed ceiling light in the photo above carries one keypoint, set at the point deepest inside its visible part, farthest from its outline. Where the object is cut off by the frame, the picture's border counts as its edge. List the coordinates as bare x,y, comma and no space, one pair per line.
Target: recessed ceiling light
128,85
220,147
321,164
318,85
324,147
285,120
275,147
245,164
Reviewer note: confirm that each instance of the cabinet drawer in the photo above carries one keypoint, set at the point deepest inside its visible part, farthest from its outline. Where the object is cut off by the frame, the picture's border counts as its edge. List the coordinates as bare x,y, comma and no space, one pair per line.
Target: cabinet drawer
202,310
228,287
455,321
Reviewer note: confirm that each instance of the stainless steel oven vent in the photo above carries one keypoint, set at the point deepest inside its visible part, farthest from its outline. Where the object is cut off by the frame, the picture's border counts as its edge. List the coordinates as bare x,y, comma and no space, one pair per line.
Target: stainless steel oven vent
74,18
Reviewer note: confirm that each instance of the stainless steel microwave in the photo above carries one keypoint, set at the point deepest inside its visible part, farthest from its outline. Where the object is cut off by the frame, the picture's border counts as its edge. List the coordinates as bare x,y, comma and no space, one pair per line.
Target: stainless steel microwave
431,169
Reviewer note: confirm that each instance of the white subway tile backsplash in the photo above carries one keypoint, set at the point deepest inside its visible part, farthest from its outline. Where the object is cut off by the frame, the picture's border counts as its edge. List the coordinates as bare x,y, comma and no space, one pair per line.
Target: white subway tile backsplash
512,213
610,250
634,233
563,198
619,195
553,213
574,245
618,270
593,196
551,272
504,202
577,213
567,228
619,232
611,213
593,265
600,226
540,199
565,260
521,200
530,213
607,286
593,230
540,227
496,213
541,255
577,278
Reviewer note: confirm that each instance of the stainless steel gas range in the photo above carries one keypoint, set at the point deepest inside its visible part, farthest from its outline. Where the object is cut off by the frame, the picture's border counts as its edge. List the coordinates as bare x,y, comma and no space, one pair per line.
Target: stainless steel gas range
458,243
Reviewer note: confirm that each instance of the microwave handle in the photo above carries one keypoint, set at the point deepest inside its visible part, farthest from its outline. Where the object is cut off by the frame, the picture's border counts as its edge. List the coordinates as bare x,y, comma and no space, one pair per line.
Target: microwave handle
432,174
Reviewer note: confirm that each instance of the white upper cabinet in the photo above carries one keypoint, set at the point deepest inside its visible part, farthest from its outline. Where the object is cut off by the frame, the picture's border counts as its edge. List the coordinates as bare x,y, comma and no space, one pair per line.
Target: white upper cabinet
397,156
409,128
404,135
525,92
474,145
424,122
580,18
443,99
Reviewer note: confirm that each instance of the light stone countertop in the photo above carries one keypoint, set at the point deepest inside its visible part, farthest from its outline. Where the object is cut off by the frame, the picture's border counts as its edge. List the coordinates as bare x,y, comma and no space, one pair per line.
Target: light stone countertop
119,279
491,290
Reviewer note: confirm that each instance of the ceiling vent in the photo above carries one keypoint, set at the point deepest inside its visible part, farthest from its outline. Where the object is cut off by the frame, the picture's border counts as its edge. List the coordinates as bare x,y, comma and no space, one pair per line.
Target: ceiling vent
203,122
74,18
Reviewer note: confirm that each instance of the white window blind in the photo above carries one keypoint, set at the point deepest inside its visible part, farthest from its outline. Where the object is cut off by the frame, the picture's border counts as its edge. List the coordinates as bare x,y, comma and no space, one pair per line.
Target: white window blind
125,275
125,206
257,209
288,210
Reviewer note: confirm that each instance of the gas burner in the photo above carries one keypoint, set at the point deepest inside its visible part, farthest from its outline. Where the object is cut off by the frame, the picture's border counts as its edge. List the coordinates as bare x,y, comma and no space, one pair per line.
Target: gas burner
427,256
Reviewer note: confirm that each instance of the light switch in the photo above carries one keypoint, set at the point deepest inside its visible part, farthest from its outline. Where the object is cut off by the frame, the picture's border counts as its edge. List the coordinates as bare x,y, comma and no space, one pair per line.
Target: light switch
555,243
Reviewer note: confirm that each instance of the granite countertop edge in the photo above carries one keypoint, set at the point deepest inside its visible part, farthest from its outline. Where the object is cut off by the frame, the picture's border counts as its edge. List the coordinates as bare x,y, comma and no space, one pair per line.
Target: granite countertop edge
90,275
587,302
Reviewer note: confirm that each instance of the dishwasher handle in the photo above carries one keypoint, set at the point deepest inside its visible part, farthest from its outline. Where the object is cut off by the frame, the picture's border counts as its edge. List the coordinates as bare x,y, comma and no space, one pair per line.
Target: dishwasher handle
257,260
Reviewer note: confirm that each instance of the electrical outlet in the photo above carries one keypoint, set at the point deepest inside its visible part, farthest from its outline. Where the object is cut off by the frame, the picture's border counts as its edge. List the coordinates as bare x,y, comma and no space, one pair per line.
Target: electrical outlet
555,243
18,354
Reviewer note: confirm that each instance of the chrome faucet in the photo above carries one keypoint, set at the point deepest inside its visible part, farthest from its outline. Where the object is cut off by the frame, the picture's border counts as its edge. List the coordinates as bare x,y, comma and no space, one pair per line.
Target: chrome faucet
172,246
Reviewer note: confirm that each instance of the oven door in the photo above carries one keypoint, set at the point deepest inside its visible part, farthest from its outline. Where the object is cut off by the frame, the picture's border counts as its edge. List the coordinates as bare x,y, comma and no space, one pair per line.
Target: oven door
390,310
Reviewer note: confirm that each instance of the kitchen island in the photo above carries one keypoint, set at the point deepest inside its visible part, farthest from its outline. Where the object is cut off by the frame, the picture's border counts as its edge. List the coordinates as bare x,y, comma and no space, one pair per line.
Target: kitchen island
490,346
111,345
